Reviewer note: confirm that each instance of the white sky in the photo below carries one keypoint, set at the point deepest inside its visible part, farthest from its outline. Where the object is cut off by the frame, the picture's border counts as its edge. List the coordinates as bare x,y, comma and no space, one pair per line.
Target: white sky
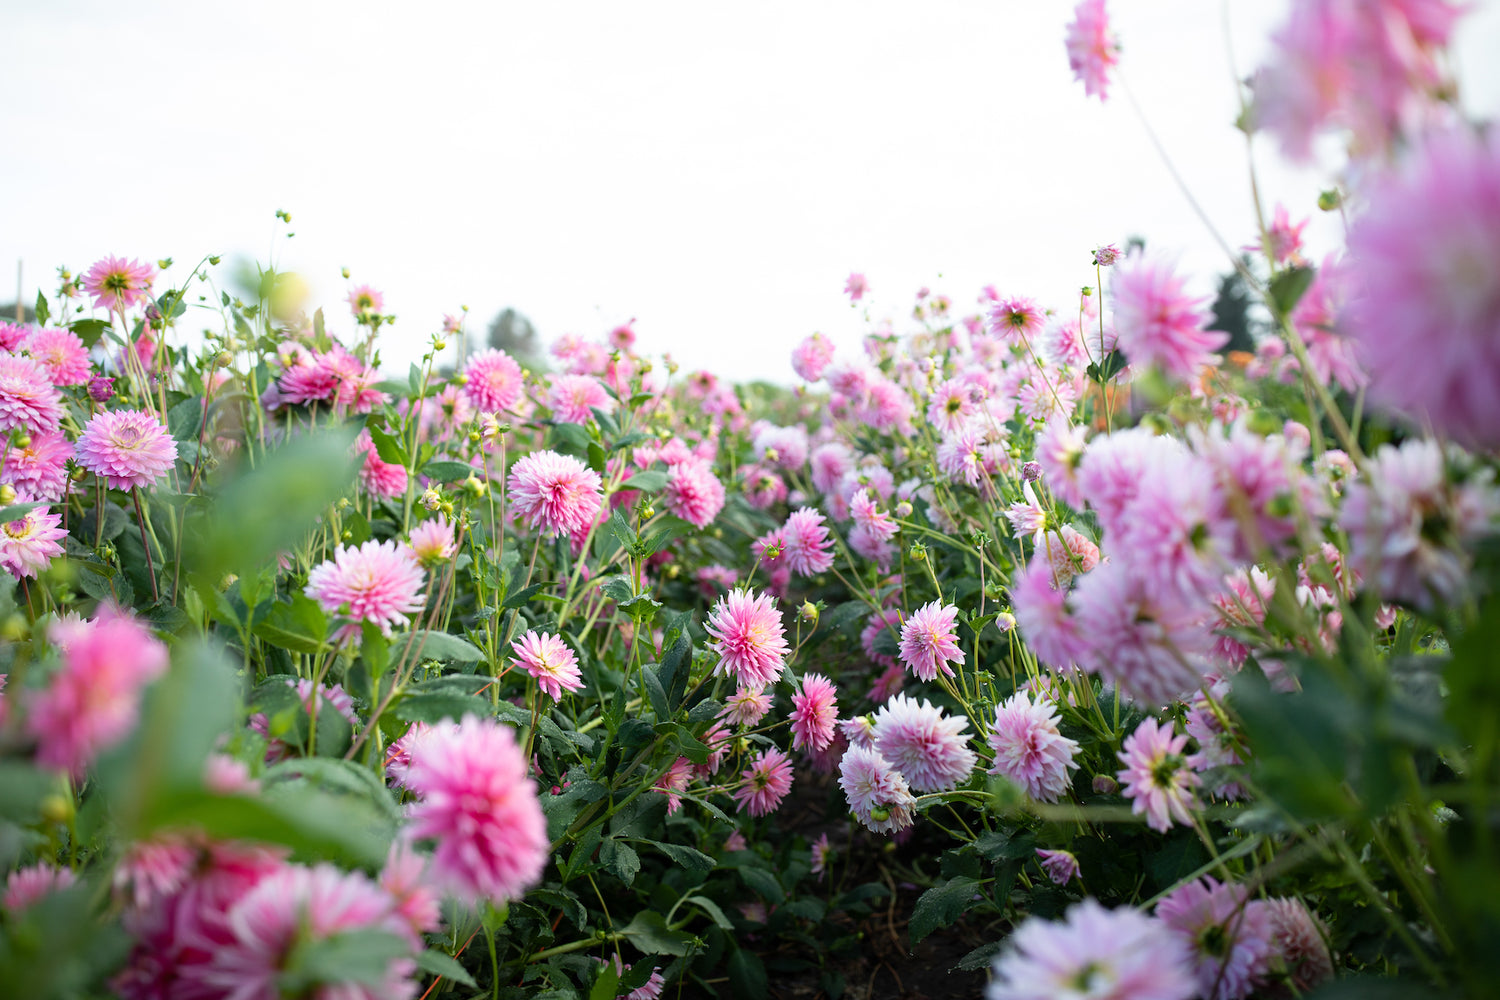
713,170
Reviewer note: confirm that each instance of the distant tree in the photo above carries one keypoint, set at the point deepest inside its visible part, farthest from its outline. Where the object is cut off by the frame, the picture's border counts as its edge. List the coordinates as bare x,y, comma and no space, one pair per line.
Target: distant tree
1233,312
514,334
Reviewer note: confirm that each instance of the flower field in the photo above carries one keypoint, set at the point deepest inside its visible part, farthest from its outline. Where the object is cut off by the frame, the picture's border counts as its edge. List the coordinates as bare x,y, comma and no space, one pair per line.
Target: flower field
1146,668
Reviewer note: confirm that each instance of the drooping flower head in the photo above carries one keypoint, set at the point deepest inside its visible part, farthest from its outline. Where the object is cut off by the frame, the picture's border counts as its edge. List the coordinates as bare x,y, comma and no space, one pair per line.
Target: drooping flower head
1092,48
378,582
1159,323
749,637
877,793
1227,934
1029,748
118,284
815,710
929,641
30,542
930,750
29,402
764,783
493,380
1093,954
555,494
1298,946
479,806
129,449
547,658
1157,778
1061,866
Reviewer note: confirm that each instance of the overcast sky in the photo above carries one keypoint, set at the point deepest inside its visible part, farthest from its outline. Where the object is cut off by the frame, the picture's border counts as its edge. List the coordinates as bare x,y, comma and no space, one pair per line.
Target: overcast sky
713,170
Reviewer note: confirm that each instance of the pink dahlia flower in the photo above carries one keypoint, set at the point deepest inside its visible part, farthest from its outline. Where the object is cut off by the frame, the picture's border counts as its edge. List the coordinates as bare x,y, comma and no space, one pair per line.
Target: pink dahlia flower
291,908
93,701
814,712
764,783
1299,944
555,494
1093,954
694,493
38,471
479,805
810,357
806,548
1016,319
13,335
856,287
62,354
30,543
1427,312
929,749
365,301
877,793
379,582
494,381
432,542
1158,323
748,636
573,398
548,659
118,284
380,478
829,464
747,706
29,402
26,886
1092,50
151,871
929,641
404,877
129,449
1029,748
1157,778
1227,934
1061,866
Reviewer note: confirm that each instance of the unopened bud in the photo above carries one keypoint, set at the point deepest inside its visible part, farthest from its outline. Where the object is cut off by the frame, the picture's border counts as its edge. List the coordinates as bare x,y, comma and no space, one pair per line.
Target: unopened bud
475,487
23,442
7,494
446,507
673,571
475,437
1105,785
57,808
344,503
918,552
648,512
431,500
439,345
1330,200
903,509
347,535
101,389
1005,621
808,612
344,272
879,813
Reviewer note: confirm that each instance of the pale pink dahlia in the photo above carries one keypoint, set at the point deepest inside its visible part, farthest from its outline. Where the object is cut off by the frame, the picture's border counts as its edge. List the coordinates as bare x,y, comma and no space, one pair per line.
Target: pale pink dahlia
1060,866
1157,778
432,541
1299,945
856,287
379,582
764,783
810,357
365,301
749,637
38,471
573,398
379,477
296,907
93,701
1093,954
747,706
878,794
814,712
494,380
694,493
26,886
548,659
1043,614
479,805
1158,323
118,284
1427,311
807,548
30,543
555,494
1017,319
62,354
129,449
1029,748
29,402
13,335
1227,934
929,641
153,870
931,750
1092,49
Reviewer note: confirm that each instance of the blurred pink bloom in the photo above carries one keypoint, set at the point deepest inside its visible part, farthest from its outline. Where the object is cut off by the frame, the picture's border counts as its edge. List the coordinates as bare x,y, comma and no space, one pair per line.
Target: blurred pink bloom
1152,644
1158,323
380,478
129,449
404,878
764,783
811,356
929,749
694,493
1283,239
1156,776
365,301
822,854
573,398
548,659
749,637
29,402
478,803
118,284
1017,320
1029,749
856,286
555,494
378,582
1092,48
1227,934
1042,614
62,354
1061,866
494,381
26,886
1298,944
747,706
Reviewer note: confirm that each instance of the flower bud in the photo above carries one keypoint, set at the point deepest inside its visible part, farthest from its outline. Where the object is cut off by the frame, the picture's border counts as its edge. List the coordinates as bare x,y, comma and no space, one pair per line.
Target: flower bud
475,487
439,345
57,808
1031,472
917,552
101,388
1005,621
903,509
1330,200
1105,785
431,500
808,612
344,272
648,512
347,535
7,494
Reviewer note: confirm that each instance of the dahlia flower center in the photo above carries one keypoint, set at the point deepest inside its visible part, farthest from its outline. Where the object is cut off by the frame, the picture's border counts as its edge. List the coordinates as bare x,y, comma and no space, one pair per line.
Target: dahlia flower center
16,529
1164,770
128,437
1213,940
955,404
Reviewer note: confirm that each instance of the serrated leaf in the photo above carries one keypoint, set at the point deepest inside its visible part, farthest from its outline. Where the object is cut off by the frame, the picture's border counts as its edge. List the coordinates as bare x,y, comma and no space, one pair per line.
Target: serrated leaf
621,861
941,906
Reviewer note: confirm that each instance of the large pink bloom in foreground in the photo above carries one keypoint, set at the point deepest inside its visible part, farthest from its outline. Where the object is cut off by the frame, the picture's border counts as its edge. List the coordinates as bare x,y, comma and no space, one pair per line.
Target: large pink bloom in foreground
379,582
92,702
1092,48
479,805
555,494
749,637
1093,954
128,448
1159,323
1427,313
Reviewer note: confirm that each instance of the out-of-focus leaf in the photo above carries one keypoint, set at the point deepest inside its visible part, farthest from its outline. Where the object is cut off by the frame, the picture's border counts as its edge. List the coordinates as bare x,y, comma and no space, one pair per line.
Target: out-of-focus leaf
1288,287
941,905
747,975
431,645
649,932
438,963
650,481
89,330
447,472
356,956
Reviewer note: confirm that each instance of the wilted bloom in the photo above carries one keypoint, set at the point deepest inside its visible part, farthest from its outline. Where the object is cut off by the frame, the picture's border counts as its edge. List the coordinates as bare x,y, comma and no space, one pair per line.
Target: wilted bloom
555,494
493,380
931,750
1227,934
548,659
92,702
764,783
1158,323
929,641
1092,50
62,354
30,542
877,793
378,582
479,805
1157,778
1061,866
118,284
1093,954
749,637
1029,748
29,402
814,713
129,449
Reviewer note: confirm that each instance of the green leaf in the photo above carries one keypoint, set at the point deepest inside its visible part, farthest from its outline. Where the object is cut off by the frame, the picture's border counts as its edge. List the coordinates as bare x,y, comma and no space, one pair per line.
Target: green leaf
339,775
299,626
440,964
941,906
414,381
89,330
649,932
673,672
980,958
1288,287
621,529
43,311
1000,845
186,418
435,706
387,445
606,983
711,908
684,856
763,883
657,696
447,472
16,511
520,597
620,860
705,711
431,645
747,976
357,956
650,481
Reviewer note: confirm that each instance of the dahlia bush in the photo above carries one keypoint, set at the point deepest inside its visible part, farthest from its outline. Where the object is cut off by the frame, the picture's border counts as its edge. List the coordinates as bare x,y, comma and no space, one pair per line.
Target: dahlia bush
1135,667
